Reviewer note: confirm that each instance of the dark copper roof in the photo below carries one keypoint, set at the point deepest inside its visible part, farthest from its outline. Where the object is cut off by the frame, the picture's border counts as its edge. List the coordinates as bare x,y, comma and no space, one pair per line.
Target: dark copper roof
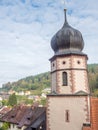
23,115
39,122
67,40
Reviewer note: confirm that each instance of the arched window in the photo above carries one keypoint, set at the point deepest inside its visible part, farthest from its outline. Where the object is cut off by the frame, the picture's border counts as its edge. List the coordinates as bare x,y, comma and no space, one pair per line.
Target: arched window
64,77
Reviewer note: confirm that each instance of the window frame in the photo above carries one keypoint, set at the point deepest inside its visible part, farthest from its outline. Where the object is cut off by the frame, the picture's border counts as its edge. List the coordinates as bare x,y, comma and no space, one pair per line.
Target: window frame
67,116
65,78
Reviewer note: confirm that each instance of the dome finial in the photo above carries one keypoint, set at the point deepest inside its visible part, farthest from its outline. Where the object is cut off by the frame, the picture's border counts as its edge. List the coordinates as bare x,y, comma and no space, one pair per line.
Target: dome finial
65,16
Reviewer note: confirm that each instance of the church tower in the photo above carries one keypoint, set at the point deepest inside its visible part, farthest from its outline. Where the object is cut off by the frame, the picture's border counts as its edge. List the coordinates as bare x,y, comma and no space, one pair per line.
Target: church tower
68,105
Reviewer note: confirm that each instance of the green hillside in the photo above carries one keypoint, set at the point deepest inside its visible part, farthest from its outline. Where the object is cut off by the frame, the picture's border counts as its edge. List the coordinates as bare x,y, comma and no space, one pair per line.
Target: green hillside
33,83
93,78
41,81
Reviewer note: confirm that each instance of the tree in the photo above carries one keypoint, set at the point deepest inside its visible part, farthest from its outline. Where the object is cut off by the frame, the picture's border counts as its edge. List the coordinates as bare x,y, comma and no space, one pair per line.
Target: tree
96,81
92,70
4,102
12,100
5,126
28,101
43,101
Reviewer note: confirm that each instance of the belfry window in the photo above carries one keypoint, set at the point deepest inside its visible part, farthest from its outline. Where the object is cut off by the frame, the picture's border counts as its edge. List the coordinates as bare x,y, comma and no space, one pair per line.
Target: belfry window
64,78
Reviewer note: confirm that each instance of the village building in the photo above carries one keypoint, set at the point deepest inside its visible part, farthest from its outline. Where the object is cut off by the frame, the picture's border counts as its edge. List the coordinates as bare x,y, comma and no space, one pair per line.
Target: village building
4,95
11,92
4,110
24,117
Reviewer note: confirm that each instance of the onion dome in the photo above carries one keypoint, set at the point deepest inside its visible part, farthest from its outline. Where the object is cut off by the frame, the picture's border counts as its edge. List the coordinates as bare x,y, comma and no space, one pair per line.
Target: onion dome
67,40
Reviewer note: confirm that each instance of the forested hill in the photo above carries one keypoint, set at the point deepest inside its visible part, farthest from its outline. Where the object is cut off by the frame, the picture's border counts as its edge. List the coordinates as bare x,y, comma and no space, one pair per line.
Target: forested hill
93,78
37,82
42,81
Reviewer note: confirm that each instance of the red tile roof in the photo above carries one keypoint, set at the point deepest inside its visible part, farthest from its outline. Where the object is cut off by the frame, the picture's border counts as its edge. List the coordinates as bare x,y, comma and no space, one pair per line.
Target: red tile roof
94,115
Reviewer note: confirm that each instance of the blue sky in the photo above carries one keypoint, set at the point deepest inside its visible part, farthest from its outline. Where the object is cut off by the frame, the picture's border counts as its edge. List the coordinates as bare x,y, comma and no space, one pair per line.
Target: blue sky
26,29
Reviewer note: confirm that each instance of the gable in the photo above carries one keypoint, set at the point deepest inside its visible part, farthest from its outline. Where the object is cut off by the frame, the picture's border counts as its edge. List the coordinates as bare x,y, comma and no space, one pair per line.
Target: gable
81,93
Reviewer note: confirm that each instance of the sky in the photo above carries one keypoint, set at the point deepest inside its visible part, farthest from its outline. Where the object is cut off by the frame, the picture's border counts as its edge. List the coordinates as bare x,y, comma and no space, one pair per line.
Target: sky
26,29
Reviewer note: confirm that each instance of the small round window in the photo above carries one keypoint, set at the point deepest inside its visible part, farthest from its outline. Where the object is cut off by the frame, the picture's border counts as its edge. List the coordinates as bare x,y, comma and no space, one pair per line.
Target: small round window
64,62
78,62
